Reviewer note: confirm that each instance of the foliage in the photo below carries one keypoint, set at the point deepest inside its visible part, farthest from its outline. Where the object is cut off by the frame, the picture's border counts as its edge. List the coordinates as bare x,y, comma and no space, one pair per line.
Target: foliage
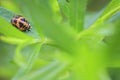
58,47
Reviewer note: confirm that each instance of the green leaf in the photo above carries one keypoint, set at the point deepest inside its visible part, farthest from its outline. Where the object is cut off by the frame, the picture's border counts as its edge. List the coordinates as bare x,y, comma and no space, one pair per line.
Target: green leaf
55,72
114,46
62,35
12,40
7,53
53,69
64,7
8,30
111,9
10,5
25,66
39,72
77,14
6,14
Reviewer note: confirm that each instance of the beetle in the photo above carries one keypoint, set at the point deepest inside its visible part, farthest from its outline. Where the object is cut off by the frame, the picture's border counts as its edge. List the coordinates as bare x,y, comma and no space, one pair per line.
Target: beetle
21,23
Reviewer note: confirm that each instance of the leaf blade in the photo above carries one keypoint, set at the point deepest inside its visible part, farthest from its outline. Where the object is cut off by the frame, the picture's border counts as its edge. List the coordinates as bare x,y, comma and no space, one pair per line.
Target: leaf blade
77,14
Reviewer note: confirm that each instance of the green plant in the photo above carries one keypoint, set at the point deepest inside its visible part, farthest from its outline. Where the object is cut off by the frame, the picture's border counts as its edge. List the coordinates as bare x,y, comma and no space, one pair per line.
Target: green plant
71,52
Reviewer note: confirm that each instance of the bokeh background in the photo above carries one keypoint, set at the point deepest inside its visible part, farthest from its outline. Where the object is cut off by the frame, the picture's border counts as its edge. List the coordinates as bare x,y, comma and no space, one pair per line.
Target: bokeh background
8,67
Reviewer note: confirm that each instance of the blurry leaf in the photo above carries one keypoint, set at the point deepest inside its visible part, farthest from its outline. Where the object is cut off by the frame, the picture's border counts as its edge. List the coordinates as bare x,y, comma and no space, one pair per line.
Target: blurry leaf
9,5
53,69
12,40
39,72
56,10
6,14
89,59
114,47
18,57
111,9
64,7
92,17
6,53
7,69
114,73
55,72
26,65
60,34
77,14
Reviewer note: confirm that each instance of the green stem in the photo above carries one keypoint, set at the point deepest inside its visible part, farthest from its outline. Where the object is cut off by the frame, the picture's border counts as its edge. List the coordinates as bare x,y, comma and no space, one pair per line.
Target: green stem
98,22
109,14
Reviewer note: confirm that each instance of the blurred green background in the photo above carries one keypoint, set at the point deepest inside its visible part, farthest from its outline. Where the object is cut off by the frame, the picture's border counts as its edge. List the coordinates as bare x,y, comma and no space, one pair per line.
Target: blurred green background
7,66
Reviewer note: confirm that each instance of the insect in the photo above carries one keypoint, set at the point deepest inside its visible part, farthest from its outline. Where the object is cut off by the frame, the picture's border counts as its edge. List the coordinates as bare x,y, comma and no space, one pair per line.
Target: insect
21,23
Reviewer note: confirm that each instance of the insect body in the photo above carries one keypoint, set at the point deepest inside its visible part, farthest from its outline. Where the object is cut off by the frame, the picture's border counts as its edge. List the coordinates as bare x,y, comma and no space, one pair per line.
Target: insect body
21,23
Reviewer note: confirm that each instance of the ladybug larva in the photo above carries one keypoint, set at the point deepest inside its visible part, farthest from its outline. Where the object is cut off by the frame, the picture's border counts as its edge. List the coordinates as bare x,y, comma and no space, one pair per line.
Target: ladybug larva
21,23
